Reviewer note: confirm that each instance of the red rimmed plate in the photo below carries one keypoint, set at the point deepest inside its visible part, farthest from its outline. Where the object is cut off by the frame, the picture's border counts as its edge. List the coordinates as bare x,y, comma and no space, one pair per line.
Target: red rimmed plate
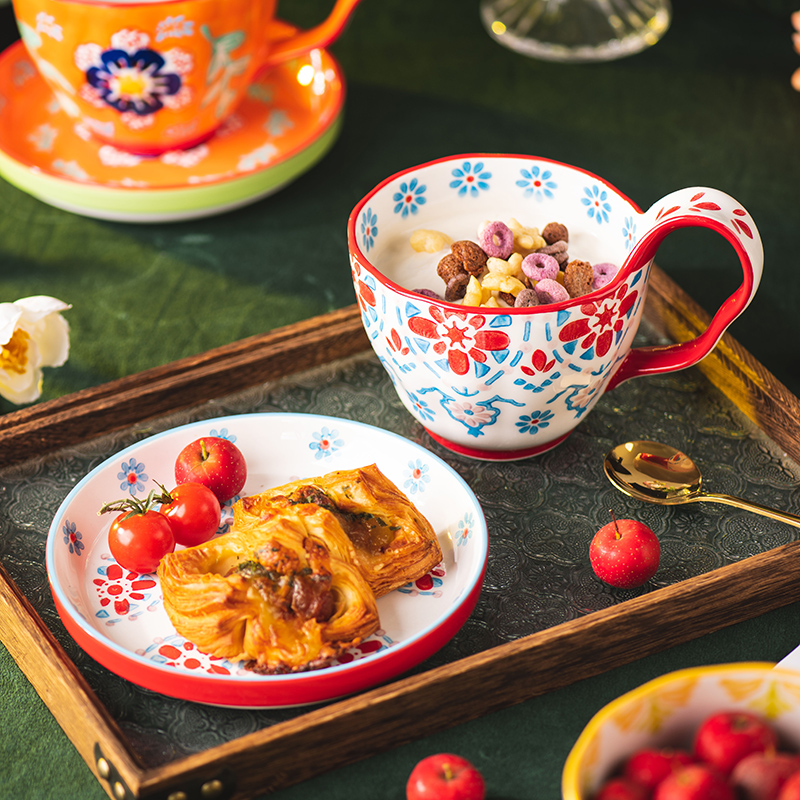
118,617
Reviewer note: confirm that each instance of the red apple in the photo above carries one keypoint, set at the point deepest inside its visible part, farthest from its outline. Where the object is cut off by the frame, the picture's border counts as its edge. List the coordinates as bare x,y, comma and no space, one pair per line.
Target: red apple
622,788
725,738
216,463
650,767
791,789
445,776
625,553
694,782
760,776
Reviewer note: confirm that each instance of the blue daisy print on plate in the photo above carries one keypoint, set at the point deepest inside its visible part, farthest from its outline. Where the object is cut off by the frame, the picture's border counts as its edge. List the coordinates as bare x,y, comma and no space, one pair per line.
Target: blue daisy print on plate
537,183
72,537
132,476
465,528
369,228
596,200
470,179
325,443
222,433
416,477
410,197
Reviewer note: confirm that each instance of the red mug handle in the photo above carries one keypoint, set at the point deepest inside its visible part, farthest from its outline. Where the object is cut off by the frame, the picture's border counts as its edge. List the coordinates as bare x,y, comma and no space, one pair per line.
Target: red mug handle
706,208
287,42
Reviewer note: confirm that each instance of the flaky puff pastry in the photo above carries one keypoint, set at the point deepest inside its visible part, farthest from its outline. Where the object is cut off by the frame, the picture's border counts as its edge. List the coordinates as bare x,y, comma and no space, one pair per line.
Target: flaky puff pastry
394,543
283,595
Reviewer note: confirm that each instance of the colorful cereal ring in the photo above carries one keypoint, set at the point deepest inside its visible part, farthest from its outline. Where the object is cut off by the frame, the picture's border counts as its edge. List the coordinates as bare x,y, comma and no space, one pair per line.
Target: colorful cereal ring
497,240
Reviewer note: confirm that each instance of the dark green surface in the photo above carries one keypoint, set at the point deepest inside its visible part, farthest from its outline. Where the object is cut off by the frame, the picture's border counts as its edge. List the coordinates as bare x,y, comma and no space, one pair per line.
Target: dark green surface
709,105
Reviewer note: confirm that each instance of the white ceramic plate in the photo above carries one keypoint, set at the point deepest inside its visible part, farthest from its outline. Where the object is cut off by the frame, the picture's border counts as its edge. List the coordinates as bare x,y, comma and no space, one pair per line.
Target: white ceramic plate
118,617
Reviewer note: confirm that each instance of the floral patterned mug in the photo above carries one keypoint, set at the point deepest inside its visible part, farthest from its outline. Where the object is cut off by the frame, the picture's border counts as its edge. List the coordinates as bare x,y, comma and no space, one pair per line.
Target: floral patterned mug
502,383
159,75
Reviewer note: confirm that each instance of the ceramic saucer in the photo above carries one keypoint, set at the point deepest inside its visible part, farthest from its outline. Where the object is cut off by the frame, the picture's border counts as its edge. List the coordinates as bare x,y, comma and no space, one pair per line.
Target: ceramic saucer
288,121
118,617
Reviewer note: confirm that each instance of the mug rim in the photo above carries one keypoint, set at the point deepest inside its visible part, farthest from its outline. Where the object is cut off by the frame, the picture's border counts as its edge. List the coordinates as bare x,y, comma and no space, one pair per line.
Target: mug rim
365,262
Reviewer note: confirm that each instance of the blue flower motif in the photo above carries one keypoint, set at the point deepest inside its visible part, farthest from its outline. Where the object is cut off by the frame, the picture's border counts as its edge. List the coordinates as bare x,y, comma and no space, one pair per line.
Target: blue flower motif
422,408
222,433
325,443
537,183
417,477
133,81
470,179
629,232
464,532
409,198
369,228
531,423
132,476
72,537
596,201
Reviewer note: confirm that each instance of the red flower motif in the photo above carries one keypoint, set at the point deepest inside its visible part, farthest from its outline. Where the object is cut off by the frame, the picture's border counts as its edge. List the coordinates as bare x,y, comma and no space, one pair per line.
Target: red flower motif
396,343
539,363
603,318
460,335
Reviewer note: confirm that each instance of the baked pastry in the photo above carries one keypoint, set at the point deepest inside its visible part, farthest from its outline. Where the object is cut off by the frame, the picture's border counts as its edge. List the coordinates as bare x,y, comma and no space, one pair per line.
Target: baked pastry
393,542
280,591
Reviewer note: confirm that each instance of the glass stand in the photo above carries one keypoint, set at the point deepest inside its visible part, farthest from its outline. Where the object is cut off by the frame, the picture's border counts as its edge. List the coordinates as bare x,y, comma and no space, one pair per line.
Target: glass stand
576,30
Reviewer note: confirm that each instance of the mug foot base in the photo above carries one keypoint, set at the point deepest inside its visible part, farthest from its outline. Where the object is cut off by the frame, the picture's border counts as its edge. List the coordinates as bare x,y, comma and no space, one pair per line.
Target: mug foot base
496,455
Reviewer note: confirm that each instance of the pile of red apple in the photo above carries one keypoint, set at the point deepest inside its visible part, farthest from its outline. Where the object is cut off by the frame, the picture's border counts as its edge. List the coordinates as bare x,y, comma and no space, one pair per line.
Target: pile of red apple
736,755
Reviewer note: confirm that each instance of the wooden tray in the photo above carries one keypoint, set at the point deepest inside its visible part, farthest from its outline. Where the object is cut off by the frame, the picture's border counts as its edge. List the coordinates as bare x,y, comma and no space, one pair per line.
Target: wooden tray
354,728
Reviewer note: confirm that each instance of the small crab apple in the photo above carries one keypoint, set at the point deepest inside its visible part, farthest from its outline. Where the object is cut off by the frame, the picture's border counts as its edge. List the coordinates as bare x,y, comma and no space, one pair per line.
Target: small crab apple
650,767
760,776
791,789
694,782
214,462
622,788
445,776
625,553
725,738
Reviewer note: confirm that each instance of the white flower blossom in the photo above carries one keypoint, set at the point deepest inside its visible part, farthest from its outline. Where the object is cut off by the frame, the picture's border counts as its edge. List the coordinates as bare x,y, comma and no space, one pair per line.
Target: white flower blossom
33,334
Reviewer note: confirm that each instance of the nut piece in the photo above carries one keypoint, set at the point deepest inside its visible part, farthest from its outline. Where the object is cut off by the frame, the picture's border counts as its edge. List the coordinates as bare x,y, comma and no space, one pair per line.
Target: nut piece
578,278
472,258
555,232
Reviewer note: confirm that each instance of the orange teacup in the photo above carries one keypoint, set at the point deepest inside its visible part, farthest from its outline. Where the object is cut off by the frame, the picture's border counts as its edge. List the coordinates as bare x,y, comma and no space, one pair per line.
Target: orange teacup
159,75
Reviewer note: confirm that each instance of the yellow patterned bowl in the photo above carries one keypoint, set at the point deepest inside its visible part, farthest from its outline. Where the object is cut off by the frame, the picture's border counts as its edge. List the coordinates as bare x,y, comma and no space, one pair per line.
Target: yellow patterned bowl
668,710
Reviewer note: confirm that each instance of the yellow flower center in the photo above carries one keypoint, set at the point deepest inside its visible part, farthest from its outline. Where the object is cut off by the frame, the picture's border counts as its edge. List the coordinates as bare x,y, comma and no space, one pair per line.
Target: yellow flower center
131,84
14,353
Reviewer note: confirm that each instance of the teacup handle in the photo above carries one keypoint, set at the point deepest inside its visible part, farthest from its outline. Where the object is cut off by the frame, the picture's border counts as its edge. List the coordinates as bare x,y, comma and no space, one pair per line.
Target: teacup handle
706,208
288,42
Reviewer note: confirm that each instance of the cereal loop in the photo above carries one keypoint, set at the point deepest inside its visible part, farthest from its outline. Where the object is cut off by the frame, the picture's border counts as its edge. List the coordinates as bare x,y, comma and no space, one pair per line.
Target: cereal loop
603,274
578,278
428,293
550,291
558,250
540,266
456,287
497,240
527,298
472,257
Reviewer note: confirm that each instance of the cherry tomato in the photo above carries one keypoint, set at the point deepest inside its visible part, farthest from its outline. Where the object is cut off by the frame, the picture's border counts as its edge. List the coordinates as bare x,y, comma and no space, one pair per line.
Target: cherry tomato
139,540
193,512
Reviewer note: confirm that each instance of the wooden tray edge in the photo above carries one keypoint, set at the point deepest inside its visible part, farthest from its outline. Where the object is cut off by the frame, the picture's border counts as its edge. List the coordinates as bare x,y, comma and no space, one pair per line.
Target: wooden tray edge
374,721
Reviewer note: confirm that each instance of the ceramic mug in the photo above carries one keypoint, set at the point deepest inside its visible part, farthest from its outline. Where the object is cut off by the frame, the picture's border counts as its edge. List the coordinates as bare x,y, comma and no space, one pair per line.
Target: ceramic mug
159,75
507,383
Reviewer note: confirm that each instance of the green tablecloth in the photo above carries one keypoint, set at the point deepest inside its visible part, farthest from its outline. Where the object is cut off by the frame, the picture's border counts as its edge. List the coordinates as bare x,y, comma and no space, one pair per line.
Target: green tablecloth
709,105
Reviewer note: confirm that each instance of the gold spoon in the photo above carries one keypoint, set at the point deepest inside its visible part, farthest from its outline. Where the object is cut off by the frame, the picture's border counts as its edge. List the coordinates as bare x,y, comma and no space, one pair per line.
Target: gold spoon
658,473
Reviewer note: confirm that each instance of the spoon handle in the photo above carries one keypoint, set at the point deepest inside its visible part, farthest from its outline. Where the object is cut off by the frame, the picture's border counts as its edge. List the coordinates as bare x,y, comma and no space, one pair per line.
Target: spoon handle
748,505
